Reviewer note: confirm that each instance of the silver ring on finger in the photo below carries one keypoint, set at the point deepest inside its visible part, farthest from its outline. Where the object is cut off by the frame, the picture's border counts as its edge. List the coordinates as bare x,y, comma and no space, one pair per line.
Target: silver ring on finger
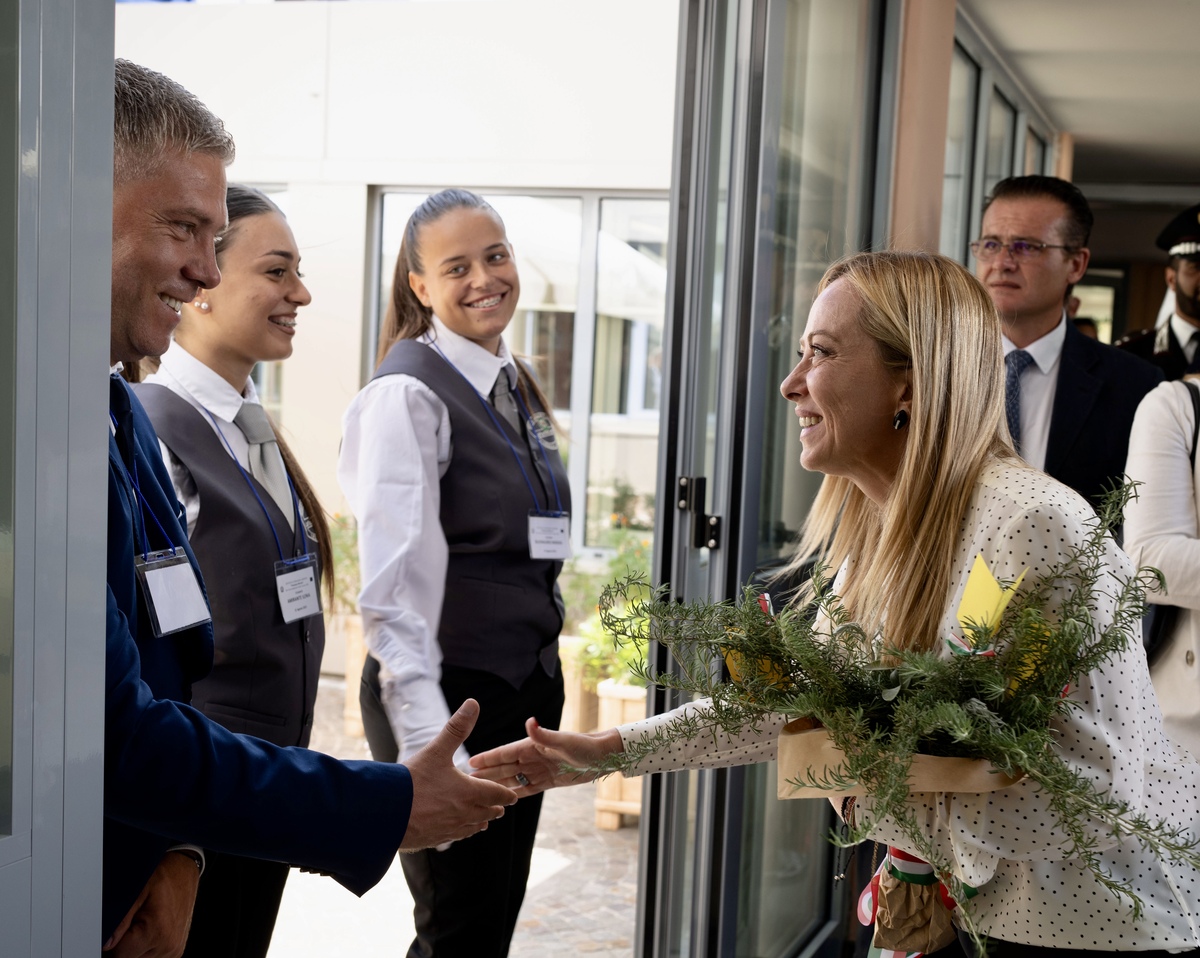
521,779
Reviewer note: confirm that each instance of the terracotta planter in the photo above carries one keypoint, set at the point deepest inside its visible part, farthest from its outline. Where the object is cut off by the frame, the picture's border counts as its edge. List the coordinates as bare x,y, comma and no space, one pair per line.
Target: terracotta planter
616,795
347,628
581,709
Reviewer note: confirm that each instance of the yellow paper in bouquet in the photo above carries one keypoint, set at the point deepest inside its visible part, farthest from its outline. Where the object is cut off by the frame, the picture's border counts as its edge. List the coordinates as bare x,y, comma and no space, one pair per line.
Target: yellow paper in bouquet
984,599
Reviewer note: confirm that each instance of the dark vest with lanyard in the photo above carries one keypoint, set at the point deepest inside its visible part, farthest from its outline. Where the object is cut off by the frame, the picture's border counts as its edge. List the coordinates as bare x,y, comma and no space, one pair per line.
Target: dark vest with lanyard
502,610
265,671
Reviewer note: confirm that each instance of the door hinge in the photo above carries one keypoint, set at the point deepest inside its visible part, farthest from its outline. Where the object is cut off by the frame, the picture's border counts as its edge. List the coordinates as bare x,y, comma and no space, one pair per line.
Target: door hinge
706,529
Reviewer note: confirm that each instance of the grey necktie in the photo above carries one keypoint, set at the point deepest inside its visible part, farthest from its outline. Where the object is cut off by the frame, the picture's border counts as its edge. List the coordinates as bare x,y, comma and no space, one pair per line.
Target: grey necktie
266,462
1015,363
502,399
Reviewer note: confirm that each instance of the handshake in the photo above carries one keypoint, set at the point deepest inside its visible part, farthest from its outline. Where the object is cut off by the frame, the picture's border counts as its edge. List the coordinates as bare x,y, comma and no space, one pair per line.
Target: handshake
447,805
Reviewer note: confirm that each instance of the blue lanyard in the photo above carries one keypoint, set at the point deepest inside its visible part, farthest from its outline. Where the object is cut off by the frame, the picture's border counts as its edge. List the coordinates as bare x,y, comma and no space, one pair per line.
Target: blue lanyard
144,506
487,407
262,505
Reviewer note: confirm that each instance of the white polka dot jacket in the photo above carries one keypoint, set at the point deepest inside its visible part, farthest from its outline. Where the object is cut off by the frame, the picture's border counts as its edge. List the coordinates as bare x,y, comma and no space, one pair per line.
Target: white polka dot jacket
1005,843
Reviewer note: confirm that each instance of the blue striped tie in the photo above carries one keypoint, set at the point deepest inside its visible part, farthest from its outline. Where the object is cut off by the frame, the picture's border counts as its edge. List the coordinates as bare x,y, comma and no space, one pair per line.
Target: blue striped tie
1015,363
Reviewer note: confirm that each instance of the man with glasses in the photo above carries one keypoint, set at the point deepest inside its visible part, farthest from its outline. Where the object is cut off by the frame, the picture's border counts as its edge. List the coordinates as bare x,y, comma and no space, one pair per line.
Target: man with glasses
1069,399
1174,347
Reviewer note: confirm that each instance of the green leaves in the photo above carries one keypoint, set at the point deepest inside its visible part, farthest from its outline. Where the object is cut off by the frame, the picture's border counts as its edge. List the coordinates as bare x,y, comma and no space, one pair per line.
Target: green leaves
881,705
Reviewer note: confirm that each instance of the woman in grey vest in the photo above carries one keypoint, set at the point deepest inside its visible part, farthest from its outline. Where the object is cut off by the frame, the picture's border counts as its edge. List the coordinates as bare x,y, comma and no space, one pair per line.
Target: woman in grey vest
256,526
450,463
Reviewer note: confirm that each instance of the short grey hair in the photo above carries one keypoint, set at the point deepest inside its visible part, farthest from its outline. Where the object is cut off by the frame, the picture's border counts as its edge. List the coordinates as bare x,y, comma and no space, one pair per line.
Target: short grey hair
155,116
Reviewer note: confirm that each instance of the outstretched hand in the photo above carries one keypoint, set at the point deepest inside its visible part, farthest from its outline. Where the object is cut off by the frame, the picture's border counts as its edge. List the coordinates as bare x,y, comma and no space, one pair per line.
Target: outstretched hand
447,805
537,763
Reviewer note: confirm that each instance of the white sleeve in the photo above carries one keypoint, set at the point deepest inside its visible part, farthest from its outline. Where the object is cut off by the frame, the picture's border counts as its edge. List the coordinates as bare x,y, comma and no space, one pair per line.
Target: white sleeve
395,448
184,485
717,749
1161,525
1104,738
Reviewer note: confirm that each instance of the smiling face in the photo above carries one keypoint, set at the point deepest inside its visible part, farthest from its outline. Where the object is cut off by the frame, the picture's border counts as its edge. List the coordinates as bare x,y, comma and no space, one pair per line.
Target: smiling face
468,278
1029,292
251,316
846,398
164,232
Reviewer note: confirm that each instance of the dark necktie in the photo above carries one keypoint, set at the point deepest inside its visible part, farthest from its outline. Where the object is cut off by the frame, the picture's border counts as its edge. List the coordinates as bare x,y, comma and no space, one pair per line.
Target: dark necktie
1193,365
266,462
503,401
122,417
1015,363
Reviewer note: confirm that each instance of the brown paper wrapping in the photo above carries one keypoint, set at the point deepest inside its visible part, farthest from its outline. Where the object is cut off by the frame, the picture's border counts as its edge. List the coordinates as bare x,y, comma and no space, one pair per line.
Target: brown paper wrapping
803,748
911,917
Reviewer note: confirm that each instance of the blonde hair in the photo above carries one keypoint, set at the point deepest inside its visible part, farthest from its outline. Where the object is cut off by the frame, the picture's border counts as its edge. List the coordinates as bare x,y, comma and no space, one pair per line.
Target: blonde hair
930,316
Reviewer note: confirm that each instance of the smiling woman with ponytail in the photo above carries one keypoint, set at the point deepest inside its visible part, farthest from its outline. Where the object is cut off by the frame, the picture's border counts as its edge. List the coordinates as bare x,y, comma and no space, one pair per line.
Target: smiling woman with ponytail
450,462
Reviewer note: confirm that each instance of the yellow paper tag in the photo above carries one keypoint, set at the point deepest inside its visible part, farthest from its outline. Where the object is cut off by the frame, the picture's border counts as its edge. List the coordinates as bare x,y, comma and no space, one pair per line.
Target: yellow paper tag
984,600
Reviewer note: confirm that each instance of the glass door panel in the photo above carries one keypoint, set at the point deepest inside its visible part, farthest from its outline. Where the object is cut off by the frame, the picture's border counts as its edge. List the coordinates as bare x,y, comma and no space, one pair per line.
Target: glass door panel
819,198
631,302
773,178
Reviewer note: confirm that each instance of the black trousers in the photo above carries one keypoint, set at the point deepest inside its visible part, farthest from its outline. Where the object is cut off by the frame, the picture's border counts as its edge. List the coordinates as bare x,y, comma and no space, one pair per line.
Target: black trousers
235,907
467,897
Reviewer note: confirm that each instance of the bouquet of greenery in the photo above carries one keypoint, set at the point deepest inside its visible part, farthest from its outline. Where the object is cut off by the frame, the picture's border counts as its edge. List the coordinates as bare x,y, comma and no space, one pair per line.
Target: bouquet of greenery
993,700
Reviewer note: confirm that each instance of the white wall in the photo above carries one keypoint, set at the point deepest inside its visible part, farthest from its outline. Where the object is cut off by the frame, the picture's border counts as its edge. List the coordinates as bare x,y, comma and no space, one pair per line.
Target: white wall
331,98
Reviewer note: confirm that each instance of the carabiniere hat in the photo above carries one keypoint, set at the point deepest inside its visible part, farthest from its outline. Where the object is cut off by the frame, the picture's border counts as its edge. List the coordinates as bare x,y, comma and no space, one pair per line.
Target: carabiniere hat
1181,237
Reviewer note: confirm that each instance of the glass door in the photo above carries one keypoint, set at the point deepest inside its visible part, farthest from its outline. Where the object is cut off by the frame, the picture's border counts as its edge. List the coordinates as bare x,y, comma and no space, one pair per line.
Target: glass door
776,140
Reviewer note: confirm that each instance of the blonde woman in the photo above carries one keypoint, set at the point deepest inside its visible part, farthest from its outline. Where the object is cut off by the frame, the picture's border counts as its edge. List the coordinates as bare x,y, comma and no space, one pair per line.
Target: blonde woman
899,394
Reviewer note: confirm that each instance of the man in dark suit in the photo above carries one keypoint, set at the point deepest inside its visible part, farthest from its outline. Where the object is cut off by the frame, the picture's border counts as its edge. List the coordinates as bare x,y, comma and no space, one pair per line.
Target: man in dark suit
1174,346
1070,399
173,779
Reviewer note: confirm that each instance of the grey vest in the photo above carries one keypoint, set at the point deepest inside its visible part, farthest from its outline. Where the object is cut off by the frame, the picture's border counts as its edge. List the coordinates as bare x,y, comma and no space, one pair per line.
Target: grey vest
265,671
502,611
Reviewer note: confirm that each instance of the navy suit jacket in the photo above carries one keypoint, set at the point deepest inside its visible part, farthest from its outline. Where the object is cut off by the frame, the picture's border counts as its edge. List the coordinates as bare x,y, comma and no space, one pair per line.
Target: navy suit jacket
170,774
1099,388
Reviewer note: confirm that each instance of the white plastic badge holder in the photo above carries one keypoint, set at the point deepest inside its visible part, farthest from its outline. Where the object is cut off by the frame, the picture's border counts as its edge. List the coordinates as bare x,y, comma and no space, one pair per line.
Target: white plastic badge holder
299,593
172,591
549,535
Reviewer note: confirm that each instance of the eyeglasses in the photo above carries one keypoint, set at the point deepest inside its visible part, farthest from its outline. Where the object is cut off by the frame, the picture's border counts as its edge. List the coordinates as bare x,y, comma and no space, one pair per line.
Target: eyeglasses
1019,249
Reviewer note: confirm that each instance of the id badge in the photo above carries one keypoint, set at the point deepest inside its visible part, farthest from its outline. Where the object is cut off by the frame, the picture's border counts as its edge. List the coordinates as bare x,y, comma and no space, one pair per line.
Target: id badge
171,590
299,593
549,535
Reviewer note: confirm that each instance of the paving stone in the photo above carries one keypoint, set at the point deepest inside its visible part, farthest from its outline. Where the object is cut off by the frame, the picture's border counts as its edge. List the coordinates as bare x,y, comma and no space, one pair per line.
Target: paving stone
583,883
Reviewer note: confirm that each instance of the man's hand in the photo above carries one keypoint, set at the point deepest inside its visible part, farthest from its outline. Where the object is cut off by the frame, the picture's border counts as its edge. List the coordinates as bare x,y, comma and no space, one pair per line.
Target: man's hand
447,805
546,759
157,924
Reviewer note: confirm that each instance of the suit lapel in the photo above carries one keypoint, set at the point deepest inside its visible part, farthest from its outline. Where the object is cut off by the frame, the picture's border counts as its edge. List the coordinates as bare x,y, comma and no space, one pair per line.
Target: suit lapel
1075,395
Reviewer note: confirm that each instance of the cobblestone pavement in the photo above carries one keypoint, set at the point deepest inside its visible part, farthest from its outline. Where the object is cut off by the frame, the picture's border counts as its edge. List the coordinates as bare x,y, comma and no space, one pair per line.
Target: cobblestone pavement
581,897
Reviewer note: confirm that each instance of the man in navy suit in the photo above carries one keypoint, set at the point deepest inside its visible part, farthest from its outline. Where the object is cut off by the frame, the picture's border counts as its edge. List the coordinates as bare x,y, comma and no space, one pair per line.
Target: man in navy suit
1070,399
174,781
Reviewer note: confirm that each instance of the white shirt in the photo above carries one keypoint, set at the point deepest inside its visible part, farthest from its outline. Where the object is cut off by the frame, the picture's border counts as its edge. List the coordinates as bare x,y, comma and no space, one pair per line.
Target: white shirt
185,375
1161,530
1184,331
396,446
1039,383
1005,843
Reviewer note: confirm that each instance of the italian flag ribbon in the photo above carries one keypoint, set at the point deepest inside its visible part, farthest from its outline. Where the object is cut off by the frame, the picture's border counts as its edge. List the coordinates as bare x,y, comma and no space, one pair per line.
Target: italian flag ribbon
962,647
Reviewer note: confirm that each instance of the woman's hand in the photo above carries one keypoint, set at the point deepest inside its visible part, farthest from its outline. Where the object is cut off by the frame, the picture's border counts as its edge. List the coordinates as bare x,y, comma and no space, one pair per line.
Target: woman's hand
535,764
